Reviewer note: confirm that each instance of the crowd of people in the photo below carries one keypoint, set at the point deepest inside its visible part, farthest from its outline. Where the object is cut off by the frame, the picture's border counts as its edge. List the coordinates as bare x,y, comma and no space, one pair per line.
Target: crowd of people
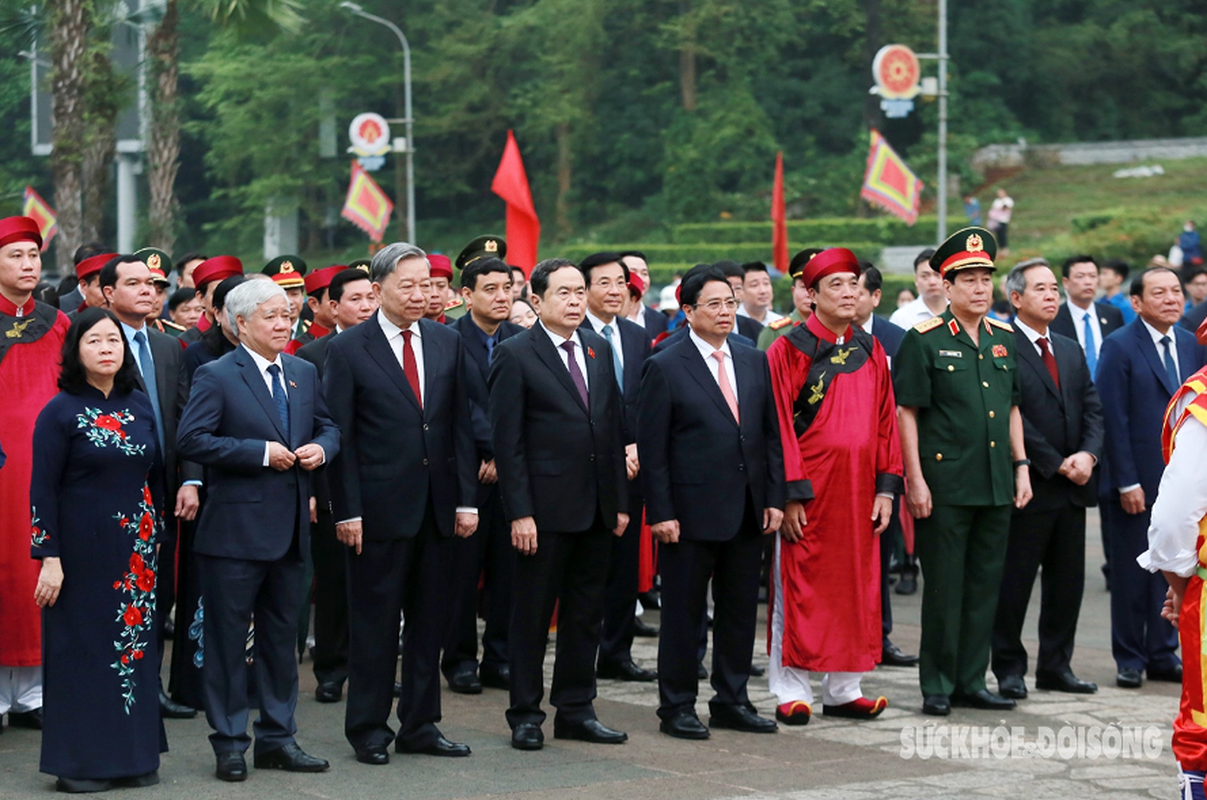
543,448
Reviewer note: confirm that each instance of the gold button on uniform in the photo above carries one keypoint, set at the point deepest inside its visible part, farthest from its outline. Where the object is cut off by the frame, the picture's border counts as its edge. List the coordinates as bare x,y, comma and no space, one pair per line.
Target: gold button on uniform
991,415
950,368
980,356
985,384
993,444
938,456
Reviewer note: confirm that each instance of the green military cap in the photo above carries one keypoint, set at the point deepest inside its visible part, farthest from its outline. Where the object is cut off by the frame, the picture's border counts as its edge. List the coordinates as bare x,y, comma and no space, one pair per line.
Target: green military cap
796,267
970,248
361,264
159,262
286,271
494,246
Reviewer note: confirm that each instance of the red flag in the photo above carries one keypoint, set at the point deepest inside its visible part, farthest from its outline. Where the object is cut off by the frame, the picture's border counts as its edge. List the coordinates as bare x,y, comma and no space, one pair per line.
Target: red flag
523,226
779,218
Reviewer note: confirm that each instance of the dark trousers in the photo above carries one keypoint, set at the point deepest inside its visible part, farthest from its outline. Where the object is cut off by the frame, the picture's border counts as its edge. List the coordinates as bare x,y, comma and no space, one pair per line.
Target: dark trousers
620,592
569,569
330,601
408,576
887,542
1055,540
1140,639
488,552
165,579
686,567
234,590
962,550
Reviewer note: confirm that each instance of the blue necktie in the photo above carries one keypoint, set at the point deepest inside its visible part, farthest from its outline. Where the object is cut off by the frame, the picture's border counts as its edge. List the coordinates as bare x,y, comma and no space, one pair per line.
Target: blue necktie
617,367
147,367
1091,348
1170,366
490,349
278,396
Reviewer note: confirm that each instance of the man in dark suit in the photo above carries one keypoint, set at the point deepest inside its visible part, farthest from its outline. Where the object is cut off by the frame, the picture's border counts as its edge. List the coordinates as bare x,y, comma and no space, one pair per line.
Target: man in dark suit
1062,429
258,440
1141,367
350,301
128,287
713,475
405,482
486,285
654,322
1080,317
747,326
557,425
607,280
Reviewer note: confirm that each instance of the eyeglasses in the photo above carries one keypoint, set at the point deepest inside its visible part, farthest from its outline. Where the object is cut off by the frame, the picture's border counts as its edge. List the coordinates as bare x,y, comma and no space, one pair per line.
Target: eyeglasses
714,306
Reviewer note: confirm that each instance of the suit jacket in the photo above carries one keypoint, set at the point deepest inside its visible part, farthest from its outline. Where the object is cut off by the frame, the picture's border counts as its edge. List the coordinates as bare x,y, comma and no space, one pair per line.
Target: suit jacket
655,321
558,460
252,511
1135,391
1058,422
888,334
1109,318
750,328
1194,317
697,462
635,342
173,391
477,369
316,353
395,455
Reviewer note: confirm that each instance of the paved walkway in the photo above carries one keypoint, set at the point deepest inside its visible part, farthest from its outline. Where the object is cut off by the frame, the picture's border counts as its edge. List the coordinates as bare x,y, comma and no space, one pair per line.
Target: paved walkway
831,759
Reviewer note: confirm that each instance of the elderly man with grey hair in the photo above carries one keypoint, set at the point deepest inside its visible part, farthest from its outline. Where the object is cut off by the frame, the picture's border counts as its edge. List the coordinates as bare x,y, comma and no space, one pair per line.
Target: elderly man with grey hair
256,419
1063,431
405,482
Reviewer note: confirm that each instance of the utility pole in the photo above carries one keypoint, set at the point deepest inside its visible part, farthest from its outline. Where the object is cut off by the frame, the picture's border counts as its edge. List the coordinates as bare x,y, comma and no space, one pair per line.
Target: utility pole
942,198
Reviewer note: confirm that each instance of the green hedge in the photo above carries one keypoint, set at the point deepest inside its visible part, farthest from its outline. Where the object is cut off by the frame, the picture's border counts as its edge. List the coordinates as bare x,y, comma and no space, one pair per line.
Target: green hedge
692,254
817,232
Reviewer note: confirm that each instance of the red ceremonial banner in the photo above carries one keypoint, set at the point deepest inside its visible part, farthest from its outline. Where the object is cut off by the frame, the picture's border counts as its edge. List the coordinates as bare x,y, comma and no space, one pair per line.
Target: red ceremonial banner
523,225
40,212
779,218
367,206
888,183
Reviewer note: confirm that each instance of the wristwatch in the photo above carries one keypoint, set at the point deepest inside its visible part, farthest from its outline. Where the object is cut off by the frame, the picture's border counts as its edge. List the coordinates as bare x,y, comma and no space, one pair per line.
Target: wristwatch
1022,462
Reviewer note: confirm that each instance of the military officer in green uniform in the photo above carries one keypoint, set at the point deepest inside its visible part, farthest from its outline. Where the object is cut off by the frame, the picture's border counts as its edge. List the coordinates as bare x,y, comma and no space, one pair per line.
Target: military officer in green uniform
800,299
481,247
160,265
965,464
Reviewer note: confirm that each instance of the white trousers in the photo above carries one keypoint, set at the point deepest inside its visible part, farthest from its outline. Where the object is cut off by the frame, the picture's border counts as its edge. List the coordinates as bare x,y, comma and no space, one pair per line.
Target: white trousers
789,684
20,689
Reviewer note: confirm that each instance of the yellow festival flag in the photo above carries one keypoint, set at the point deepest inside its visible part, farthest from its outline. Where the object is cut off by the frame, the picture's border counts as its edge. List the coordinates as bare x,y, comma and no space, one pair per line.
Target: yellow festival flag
888,183
40,212
367,206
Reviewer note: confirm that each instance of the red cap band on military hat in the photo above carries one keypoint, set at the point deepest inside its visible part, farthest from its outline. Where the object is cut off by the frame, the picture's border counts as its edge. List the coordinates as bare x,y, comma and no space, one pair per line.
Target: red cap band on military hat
441,266
19,229
636,285
828,262
91,266
216,269
321,278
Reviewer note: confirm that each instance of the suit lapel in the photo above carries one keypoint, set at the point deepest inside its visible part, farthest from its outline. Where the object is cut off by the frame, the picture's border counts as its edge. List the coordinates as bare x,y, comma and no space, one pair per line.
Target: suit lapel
1188,357
161,367
595,376
255,382
1026,353
548,353
293,390
744,374
379,350
703,376
1155,358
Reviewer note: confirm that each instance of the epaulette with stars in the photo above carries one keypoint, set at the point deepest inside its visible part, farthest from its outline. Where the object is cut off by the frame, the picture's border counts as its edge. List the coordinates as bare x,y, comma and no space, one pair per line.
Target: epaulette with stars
782,322
997,323
928,325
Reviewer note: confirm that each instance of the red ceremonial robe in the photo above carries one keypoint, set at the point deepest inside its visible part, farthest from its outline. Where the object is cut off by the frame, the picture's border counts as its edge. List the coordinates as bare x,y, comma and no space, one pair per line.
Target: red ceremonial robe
845,453
30,348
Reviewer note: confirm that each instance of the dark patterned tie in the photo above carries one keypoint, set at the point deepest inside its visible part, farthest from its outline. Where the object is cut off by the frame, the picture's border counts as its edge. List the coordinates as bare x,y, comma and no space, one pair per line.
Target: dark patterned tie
278,395
576,374
410,366
1049,360
1170,366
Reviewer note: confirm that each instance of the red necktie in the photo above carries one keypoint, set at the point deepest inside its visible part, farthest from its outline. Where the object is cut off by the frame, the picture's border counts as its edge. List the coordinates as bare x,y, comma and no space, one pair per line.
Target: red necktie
410,366
1049,360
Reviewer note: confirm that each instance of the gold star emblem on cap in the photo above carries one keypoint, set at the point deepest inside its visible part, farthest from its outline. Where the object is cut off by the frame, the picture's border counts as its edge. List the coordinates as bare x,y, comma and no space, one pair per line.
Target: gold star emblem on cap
974,244
286,266
154,261
491,246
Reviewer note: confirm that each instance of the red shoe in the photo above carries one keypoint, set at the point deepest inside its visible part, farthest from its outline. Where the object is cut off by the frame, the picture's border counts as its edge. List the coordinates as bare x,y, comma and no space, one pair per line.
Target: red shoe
861,708
795,713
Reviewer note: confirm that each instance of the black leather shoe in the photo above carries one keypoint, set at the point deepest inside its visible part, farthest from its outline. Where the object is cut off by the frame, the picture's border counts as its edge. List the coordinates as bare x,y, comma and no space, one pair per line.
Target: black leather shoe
440,747
1014,687
891,656
1062,682
1165,675
26,719
756,671
591,730
139,781
650,600
465,683
937,705
169,630
290,758
527,736
684,725
739,718
231,767
983,699
81,786
495,677
626,671
170,709
373,754
1129,678
701,672
643,630
330,692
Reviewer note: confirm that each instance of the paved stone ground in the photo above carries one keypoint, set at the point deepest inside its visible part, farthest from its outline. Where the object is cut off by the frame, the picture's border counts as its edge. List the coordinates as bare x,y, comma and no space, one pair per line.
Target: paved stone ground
827,759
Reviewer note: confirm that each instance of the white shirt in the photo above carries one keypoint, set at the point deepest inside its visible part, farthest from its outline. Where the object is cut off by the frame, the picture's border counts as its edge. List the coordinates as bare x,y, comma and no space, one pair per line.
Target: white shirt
768,318
1001,209
579,355
706,351
598,324
1173,346
394,338
1079,316
1181,502
912,313
639,318
1033,335
262,364
136,350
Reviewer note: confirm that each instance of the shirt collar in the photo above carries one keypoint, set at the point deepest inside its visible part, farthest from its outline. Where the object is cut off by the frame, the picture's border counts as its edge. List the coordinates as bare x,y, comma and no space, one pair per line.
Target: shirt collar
822,332
598,324
867,326
1079,313
707,349
1156,334
131,331
392,331
1031,333
557,339
9,307
263,363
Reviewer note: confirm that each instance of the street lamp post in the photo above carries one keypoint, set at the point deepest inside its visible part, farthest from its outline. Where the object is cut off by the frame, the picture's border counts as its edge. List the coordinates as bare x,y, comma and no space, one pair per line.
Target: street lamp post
407,118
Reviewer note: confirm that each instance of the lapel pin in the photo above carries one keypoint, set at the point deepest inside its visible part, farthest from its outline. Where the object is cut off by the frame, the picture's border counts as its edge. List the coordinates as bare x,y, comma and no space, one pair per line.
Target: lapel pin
292,385
591,352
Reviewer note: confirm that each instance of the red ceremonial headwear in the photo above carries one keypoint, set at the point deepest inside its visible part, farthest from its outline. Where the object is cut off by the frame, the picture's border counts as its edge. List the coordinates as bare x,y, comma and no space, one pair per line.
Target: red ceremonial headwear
321,278
441,266
216,269
828,262
636,285
1201,333
91,266
19,229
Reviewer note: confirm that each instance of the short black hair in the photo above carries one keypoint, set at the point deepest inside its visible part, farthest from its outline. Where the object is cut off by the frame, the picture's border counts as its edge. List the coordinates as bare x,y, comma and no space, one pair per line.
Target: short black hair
181,296
923,258
731,269
753,266
694,281
600,259
635,254
45,292
86,251
1067,266
515,269
539,280
1118,266
1137,287
108,274
485,266
74,378
335,290
224,287
872,279
186,258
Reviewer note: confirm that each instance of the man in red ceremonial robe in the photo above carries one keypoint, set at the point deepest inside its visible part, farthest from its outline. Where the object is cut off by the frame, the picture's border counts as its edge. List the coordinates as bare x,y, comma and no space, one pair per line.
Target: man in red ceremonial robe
842,463
31,340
